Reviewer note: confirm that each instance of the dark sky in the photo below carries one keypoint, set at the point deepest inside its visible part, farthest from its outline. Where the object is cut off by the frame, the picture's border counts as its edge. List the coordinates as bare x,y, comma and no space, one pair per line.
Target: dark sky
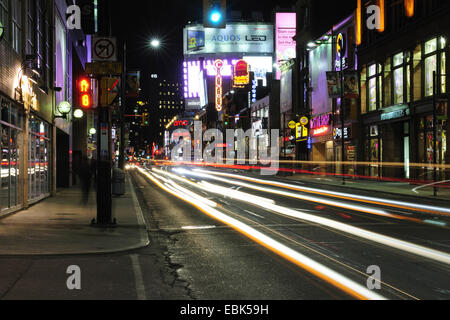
138,21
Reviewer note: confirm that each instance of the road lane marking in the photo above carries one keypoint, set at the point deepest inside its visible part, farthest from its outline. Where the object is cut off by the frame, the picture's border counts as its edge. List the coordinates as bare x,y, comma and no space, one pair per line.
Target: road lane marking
138,278
254,214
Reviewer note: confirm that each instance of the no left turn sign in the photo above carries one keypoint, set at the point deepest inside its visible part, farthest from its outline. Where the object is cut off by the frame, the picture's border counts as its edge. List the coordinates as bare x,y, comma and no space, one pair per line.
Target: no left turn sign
104,49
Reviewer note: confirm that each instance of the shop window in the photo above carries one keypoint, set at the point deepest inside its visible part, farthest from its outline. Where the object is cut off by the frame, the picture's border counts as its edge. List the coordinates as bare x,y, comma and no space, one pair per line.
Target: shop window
387,83
398,78
417,70
364,90
430,68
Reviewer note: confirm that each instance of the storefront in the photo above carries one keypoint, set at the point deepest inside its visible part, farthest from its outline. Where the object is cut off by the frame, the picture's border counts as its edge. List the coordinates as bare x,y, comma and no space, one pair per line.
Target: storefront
10,144
387,139
397,102
39,159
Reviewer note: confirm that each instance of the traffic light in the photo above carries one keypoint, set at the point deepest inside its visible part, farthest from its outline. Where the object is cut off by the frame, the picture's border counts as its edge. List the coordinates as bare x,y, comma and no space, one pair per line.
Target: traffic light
226,120
215,14
109,90
84,93
145,119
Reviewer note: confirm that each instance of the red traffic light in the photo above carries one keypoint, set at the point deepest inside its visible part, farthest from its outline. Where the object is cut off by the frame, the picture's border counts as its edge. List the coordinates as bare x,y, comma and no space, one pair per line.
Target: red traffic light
85,93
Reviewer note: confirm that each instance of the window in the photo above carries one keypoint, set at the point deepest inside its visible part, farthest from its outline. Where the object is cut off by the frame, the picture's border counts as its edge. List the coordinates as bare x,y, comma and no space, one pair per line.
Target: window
435,61
398,74
31,27
16,26
417,70
374,86
4,15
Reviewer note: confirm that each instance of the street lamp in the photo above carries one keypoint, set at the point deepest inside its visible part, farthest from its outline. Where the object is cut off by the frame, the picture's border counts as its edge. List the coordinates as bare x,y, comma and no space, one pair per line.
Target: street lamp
155,43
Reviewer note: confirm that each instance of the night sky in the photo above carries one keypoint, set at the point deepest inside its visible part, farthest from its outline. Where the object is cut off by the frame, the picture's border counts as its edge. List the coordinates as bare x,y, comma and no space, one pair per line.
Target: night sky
138,21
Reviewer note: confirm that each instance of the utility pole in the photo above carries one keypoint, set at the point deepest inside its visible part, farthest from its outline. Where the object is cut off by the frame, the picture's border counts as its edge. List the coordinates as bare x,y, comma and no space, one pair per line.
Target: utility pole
122,110
342,113
435,92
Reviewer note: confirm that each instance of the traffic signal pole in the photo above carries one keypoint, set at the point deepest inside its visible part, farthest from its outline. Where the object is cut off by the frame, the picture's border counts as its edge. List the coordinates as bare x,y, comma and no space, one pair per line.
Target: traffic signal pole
104,166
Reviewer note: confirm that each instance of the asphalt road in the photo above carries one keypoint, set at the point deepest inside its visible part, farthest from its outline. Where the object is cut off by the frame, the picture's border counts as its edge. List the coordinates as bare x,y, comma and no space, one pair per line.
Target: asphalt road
233,240
220,262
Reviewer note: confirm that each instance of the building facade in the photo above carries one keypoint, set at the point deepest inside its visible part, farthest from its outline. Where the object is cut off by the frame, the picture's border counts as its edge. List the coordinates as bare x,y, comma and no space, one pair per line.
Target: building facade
404,90
37,54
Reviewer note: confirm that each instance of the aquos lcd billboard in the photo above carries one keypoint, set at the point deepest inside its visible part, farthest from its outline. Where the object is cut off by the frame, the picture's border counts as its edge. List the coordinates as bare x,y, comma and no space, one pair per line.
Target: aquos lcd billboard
236,38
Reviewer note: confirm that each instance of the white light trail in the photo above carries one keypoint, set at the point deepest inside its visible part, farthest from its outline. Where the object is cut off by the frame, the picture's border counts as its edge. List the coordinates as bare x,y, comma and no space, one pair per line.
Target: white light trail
308,264
331,193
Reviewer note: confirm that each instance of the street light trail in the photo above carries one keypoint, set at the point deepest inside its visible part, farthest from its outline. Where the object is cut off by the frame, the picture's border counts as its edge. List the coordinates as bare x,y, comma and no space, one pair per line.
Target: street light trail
373,200
368,235
350,287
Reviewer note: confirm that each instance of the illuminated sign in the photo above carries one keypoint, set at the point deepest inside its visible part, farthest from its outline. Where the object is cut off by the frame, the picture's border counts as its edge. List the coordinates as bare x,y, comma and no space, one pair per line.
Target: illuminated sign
218,64
302,132
181,123
409,8
286,29
337,133
241,74
84,87
236,38
341,45
321,131
321,121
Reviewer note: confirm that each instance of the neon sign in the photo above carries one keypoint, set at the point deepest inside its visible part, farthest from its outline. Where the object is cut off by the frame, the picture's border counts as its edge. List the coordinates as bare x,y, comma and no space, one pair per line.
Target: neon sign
218,64
181,123
321,131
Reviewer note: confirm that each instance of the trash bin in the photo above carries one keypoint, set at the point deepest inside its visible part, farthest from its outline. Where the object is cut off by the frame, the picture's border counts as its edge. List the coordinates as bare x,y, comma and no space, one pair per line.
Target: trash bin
118,182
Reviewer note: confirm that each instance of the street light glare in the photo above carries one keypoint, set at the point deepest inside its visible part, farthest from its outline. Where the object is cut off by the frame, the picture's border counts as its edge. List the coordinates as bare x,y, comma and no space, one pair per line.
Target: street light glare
155,43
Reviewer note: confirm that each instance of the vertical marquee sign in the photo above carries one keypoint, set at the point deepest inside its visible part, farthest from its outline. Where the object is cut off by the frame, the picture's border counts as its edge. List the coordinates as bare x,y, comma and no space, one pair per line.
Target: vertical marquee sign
218,64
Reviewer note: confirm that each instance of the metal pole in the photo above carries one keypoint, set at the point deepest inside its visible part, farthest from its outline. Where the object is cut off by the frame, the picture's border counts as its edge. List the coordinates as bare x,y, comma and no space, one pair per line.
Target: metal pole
434,134
343,124
122,110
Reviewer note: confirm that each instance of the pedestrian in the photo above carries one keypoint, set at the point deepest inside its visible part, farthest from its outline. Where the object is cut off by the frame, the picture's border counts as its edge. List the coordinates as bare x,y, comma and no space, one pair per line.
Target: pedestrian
85,175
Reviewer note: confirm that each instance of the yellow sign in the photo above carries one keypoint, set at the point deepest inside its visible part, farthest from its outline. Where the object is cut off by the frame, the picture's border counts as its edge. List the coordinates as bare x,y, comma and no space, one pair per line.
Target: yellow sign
292,125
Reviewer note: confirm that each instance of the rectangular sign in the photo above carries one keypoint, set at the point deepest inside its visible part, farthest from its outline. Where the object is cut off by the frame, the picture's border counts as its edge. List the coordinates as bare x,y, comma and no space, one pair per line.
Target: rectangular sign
236,38
286,29
104,68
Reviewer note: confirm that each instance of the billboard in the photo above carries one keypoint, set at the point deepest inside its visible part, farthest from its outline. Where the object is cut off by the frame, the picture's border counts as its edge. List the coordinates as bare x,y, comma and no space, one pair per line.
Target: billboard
133,84
286,92
286,28
236,38
320,63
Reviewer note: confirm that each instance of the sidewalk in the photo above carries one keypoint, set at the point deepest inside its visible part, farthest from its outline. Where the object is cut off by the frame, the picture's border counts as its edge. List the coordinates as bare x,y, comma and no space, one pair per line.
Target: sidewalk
61,226
378,186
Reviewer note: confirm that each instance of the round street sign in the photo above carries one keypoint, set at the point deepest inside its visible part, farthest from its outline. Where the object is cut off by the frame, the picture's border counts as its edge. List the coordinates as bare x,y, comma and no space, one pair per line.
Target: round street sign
292,125
304,121
64,108
104,49
2,30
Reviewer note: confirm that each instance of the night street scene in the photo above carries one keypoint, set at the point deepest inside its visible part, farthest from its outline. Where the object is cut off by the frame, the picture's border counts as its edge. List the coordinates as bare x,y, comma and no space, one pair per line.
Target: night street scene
225,159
